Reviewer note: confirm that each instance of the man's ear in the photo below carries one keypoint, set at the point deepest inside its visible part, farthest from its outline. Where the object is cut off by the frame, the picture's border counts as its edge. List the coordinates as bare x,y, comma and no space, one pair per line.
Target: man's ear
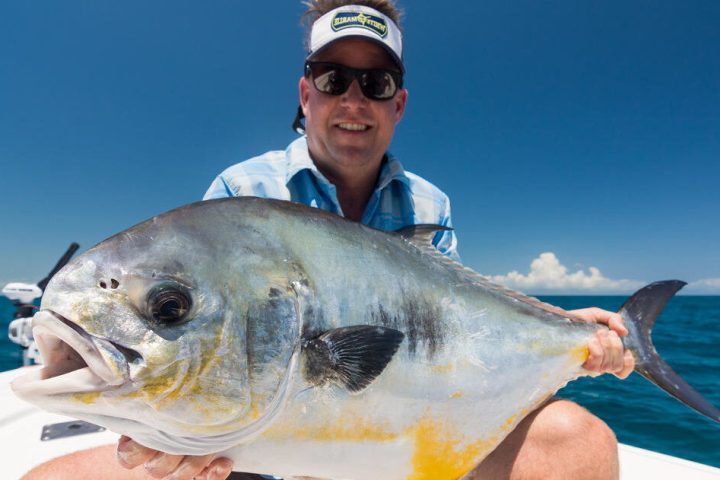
304,88
400,101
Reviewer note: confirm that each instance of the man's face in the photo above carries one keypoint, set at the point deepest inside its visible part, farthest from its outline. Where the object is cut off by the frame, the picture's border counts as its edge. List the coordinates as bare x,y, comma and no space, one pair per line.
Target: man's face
350,131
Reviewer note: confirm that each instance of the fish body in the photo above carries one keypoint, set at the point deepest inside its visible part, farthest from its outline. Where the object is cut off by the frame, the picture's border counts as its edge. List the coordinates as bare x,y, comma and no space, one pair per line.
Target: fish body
300,343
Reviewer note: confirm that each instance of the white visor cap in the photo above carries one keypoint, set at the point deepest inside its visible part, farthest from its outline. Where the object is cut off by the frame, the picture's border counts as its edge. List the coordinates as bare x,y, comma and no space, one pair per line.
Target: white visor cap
357,21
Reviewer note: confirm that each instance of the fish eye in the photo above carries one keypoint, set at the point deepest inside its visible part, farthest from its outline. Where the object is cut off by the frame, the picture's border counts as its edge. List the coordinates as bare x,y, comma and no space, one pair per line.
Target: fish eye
168,304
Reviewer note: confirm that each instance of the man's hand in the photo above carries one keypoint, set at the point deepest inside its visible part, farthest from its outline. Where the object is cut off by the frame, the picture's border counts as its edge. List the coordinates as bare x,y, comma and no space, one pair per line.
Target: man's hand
131,454
607,354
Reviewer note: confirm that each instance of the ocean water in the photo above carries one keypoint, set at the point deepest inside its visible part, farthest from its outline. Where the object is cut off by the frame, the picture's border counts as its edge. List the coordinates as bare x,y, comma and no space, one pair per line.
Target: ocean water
687,335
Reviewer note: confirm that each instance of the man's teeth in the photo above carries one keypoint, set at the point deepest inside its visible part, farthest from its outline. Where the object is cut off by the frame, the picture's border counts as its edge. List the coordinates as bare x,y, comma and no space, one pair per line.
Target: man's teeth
357,127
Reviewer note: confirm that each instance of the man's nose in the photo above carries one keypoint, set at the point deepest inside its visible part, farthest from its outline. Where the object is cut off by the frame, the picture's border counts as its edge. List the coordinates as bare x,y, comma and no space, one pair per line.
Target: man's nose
354,93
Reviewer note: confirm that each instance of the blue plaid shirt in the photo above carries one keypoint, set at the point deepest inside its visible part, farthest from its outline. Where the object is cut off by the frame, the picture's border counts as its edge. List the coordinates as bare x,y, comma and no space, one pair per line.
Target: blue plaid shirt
400,198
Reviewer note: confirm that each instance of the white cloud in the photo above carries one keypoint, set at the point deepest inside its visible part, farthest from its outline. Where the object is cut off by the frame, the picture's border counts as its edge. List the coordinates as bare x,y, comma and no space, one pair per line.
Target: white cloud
708,286
548,274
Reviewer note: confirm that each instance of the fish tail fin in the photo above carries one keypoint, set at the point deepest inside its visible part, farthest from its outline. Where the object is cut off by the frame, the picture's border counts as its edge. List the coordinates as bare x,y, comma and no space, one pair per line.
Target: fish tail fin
639,313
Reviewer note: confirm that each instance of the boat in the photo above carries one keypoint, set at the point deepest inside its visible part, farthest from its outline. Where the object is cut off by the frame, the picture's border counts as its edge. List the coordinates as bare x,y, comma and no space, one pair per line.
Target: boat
31,436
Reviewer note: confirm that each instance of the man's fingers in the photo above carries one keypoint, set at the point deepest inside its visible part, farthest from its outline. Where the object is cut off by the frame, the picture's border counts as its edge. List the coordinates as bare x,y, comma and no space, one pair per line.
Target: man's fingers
203,475
613,360
595,358
219,469
613,320
603,337
131,454
191,466
617,324
163,464
628,365
607,355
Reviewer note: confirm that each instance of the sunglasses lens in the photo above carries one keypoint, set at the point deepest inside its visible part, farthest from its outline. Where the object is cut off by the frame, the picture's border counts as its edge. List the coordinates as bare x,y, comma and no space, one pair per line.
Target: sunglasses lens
378,84
331,80
335,79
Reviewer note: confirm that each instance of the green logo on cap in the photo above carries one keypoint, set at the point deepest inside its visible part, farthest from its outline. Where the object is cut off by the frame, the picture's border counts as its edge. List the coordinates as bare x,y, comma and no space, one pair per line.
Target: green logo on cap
375,24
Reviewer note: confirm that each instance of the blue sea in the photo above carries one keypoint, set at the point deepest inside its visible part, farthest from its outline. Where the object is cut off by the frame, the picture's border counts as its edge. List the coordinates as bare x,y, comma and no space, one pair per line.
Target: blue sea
687,335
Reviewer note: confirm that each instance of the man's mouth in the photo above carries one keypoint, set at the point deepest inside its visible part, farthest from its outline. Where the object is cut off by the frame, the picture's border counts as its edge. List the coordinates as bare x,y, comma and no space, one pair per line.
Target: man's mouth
74,361
353,127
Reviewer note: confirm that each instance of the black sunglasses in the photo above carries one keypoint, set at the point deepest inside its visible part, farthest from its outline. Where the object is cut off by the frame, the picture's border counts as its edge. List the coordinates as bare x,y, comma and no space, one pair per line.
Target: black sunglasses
335,79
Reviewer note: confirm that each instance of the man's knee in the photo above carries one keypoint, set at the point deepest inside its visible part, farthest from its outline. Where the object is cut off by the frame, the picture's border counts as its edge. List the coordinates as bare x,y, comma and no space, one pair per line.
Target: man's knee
560,440
563,422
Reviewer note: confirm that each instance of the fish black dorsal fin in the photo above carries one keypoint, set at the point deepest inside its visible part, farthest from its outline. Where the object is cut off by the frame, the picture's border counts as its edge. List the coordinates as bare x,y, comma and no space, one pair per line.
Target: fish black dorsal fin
421,234
350,356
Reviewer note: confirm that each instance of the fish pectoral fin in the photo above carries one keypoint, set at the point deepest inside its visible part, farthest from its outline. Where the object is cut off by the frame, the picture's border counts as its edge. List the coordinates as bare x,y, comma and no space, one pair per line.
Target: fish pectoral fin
350,356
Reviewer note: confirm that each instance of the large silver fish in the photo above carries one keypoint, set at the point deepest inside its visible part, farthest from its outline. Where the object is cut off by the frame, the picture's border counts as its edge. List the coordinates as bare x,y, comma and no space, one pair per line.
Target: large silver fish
303,344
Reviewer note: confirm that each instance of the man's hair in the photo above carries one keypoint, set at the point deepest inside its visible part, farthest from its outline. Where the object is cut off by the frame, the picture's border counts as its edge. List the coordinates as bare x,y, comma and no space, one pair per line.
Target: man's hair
318,8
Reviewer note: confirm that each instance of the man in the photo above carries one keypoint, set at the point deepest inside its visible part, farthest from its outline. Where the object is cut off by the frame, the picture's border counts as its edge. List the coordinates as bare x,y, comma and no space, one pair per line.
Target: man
351,96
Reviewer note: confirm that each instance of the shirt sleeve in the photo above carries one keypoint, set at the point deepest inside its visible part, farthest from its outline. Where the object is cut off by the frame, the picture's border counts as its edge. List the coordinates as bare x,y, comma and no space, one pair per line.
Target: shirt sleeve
218,189
446,241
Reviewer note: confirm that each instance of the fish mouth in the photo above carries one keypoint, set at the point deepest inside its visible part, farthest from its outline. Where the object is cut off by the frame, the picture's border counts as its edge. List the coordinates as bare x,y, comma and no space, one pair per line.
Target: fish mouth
74,361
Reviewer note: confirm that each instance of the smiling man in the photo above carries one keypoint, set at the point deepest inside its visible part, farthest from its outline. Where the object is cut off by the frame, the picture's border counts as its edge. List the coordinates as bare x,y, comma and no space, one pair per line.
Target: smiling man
352,97
348,133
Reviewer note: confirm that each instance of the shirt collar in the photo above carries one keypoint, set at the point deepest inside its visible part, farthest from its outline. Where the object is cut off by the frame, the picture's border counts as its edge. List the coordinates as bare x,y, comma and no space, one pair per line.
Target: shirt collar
299,159
390,170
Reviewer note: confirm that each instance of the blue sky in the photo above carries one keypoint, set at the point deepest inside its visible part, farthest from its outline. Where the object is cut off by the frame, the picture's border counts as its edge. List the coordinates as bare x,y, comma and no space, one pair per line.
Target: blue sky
569,135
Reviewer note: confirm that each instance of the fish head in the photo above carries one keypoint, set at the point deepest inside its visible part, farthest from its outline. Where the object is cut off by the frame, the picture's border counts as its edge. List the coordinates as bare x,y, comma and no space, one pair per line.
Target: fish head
156,332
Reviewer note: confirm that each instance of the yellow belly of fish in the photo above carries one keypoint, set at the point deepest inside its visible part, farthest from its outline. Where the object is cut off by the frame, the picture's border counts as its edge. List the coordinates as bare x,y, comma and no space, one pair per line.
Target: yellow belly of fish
437,449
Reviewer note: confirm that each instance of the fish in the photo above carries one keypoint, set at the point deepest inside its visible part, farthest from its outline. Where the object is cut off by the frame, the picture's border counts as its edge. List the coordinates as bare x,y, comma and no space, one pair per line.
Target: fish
297,342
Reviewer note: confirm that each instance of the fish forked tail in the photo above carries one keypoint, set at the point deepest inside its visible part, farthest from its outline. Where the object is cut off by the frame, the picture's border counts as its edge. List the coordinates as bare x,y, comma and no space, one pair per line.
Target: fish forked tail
639,313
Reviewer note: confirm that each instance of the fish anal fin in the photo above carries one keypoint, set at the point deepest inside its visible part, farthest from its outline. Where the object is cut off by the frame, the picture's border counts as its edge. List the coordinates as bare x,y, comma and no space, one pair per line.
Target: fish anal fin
351,357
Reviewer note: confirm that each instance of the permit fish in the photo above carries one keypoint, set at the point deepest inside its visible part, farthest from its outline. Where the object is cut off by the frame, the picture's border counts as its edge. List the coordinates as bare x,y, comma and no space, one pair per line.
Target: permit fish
300,343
